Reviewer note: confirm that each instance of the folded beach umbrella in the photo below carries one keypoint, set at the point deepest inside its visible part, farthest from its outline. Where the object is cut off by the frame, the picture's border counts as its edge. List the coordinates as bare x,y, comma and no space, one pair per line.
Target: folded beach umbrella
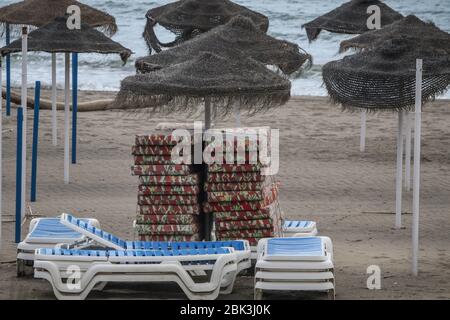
186,18
210,79
239,33
55,37
350,18
409,27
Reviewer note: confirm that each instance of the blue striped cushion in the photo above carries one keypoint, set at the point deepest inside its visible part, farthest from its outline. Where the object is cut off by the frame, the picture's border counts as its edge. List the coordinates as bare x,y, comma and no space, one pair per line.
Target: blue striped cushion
297,224
308,246
134,253
52,228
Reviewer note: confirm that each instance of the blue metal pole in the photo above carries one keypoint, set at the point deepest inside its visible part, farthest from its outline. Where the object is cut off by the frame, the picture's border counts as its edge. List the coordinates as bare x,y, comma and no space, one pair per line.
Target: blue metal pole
74,105
19,174
37,98
8,74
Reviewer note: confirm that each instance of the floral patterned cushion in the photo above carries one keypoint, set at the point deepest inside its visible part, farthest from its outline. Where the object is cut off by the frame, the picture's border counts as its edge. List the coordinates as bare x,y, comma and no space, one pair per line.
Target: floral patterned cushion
168,190
168,209
173,200
187,180
166,229
161,170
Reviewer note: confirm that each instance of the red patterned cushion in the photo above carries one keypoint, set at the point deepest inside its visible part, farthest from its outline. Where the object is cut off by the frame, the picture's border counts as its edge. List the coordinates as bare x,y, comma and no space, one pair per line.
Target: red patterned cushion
235,177
151,150
166,229
168,209
166,219
161,170
245,225
168,190
188,180
172,238
168,200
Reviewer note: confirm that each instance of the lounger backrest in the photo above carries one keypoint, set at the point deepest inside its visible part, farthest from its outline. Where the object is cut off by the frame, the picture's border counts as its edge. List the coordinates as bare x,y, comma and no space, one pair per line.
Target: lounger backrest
96,234
51,228
168,253
237,245
305,249
297,224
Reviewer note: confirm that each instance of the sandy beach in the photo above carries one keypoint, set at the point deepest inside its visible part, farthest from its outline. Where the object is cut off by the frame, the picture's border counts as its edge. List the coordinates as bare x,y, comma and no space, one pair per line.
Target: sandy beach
323,176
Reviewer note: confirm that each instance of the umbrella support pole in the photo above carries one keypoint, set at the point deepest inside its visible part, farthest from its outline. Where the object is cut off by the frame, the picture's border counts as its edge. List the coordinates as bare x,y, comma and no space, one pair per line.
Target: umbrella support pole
237,116
34,156
66,115
362,139
208,216
8,73
1,155
416,188
24,98
54,107
74,105
408,138
398,193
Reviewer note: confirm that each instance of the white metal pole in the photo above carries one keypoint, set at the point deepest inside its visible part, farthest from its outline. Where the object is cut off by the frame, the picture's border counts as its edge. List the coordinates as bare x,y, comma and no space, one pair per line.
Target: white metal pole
1,155
54,120
416,190
408,120
362,142
24,109
66,117
398,193
237,116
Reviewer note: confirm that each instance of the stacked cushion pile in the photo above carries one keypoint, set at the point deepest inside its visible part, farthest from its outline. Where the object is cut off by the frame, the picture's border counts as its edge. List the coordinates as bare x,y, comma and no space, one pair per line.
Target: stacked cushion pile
168,205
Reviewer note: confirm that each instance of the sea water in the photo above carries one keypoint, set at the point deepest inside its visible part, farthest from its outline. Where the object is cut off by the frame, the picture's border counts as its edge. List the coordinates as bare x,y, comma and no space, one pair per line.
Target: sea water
104,72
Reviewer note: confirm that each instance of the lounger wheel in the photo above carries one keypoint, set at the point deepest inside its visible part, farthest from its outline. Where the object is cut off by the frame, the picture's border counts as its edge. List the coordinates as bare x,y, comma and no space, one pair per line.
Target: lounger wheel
20,268
258,295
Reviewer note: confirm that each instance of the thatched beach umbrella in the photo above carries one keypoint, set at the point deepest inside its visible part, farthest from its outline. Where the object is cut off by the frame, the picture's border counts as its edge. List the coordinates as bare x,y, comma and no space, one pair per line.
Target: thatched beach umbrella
37,13
240,33
55,37
206,77
410,27
186,18
384,78
210,79
350,18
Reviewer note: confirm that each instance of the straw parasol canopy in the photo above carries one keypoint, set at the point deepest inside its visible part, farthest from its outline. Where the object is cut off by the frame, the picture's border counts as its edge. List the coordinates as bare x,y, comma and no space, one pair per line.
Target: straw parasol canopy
187,18
56,37
409,27
384,78
239,33
40,12
225,82
350,18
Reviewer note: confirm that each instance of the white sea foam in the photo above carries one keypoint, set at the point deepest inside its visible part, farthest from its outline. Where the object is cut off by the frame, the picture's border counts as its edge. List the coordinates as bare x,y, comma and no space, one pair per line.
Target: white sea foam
98,72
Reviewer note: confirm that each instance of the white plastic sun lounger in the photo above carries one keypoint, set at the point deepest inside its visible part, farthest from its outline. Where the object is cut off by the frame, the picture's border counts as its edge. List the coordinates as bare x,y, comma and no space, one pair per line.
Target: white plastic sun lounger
295,264
293,228
134,266
46,233
241,247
